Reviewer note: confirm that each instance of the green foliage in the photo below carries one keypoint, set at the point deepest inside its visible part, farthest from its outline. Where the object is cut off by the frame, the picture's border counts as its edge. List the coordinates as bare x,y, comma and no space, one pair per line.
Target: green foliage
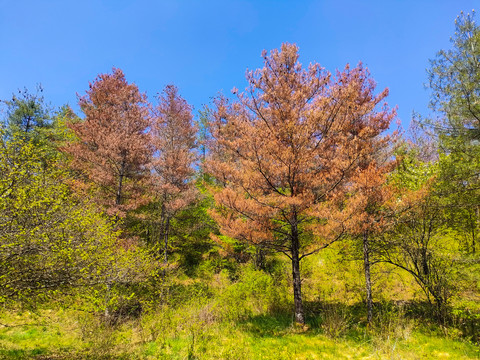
454,79
189,246
420,241
191,229
27,116
255,292
49,239
60,134
412,173
189,330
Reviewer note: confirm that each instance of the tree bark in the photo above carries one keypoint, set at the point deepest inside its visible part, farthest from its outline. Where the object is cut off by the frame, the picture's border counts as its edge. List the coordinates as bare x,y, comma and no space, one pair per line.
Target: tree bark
118,199
161,231
165,241
259,258
368,282
474,234
165,224
297,281
107,302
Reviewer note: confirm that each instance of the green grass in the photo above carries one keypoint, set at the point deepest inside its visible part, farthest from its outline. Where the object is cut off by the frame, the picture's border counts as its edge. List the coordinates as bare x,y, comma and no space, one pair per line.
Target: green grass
255,337
247,318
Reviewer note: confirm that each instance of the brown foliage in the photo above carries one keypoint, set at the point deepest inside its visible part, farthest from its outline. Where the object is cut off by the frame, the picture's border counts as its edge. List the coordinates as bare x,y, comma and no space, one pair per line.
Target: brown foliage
291,146
112,150
173,139
287,152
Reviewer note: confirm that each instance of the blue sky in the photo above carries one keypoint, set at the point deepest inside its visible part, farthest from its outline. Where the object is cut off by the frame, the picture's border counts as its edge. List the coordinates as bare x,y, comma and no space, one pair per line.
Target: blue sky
205,47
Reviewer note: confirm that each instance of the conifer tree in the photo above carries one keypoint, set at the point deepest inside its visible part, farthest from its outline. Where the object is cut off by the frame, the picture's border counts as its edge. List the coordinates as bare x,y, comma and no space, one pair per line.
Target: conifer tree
285,152
113,147
173,140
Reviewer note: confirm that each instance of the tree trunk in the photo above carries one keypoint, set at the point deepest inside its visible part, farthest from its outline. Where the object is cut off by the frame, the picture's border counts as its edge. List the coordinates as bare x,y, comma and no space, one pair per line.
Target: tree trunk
161,231
165,241
118,199
165,221
259,258
297,281
441,305
368,282
107,302
474,233
27,126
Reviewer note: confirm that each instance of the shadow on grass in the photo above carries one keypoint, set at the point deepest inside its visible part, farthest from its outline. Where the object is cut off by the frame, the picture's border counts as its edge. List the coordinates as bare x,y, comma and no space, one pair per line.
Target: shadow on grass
336,319
333,319
267,325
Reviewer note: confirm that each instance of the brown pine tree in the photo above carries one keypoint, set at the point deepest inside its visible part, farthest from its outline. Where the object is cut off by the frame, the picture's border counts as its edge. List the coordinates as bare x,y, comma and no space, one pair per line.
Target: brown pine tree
173,139
285,152
112,147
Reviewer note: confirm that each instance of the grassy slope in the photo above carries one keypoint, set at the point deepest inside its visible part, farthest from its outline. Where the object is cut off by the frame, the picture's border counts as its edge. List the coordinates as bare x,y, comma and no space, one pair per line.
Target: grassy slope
216,318
258,337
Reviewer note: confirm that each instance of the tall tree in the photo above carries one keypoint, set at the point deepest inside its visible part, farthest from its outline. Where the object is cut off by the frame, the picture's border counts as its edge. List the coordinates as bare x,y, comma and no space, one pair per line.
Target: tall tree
367,200
454,79
173,139
288,147
27,115
368,211
112,150
203,134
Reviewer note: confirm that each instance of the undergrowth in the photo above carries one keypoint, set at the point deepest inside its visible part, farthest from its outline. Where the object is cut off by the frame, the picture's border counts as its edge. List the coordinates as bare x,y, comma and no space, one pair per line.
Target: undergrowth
243,317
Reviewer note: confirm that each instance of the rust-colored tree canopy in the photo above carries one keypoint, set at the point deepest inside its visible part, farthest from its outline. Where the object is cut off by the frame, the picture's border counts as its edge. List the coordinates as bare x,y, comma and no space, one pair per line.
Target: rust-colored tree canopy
369,206
287,149
113,146
173,140
292,141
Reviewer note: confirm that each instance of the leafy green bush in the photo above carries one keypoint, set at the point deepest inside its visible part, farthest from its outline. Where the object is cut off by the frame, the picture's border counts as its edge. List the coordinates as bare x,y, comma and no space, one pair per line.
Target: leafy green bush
255,292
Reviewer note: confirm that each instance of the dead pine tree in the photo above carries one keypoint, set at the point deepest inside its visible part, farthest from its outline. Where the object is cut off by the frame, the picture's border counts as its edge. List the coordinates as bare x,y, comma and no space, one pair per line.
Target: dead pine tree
173,140
284,152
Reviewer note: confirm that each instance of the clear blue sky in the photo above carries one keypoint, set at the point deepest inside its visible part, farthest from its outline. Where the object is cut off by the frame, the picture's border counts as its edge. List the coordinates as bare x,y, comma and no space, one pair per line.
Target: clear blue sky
205,46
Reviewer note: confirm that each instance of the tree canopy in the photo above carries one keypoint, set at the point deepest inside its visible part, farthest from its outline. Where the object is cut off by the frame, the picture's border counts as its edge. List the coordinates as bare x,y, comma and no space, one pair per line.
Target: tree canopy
286,150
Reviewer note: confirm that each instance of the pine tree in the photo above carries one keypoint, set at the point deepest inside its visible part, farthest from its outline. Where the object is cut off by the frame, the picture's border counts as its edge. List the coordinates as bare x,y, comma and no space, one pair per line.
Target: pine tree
285,151
113,147
173,140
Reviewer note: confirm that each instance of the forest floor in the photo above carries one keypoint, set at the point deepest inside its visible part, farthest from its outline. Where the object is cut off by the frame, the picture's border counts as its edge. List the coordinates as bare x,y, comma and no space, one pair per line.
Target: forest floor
246,314
68,335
